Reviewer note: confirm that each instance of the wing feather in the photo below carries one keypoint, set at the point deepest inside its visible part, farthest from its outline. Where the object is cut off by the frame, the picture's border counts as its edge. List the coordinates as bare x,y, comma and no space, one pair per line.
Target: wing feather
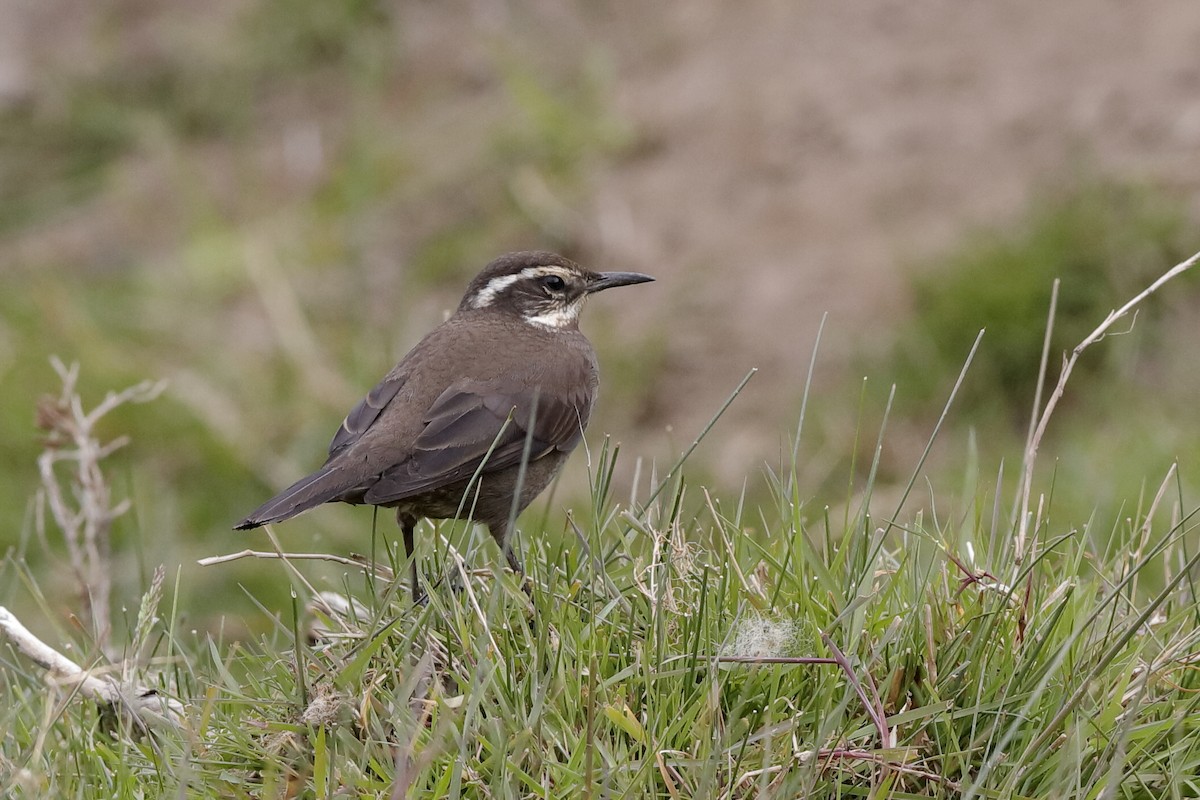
363,415
467,421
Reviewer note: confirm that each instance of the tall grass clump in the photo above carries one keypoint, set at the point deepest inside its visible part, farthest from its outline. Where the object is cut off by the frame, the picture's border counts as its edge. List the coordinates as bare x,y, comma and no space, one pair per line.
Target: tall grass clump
678,644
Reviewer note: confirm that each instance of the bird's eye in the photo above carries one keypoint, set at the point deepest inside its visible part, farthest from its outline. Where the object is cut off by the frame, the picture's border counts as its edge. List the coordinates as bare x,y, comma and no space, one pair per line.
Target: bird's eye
554,283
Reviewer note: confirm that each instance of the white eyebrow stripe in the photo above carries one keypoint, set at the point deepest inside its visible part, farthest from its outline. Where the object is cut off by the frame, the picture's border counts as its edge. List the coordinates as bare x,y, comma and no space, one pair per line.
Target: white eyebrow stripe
541,272
487,295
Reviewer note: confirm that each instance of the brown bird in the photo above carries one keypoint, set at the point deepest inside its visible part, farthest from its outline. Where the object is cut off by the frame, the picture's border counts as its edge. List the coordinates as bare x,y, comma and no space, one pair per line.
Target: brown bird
479,417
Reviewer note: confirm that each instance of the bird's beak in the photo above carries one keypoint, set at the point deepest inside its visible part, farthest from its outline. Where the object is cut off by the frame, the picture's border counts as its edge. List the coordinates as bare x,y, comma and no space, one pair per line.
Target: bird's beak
607,280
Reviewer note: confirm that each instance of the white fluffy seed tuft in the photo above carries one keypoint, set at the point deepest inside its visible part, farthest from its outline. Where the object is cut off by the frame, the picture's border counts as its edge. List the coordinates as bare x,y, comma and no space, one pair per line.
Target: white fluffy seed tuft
759,637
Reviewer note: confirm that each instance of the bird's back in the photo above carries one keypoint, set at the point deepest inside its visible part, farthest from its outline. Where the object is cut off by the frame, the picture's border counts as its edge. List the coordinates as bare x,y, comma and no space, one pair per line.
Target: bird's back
461,354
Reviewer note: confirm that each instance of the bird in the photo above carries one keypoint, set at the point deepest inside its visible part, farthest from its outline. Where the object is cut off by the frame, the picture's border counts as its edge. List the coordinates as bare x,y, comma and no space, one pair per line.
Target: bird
479,417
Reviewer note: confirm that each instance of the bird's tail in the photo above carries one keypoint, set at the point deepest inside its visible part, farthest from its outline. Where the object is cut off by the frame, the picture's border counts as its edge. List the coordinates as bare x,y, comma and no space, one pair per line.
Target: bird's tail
322,486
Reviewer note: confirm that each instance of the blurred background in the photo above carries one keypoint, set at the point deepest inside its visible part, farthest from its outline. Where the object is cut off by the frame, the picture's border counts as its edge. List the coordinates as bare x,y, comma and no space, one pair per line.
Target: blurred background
267,202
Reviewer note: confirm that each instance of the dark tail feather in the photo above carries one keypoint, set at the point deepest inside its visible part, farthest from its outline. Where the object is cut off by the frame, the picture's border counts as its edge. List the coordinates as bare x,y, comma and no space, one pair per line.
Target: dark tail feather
320,487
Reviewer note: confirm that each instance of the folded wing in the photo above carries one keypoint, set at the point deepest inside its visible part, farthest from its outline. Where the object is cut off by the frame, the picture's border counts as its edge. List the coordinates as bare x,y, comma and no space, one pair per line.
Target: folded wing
363,415
470,426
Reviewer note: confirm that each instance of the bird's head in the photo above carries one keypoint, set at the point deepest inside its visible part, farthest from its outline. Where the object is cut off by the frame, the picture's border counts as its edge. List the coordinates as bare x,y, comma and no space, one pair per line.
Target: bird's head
543,289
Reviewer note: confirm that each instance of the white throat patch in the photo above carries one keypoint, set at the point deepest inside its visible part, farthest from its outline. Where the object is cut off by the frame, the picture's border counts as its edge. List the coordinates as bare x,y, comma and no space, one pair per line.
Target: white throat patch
558,318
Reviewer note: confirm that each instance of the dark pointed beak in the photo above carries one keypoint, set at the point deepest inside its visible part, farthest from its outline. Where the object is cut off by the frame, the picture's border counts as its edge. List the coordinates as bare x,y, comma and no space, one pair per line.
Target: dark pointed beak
608,280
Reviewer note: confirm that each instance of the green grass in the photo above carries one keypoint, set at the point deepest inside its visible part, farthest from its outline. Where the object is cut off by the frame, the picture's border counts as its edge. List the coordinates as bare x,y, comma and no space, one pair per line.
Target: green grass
663,656
617,691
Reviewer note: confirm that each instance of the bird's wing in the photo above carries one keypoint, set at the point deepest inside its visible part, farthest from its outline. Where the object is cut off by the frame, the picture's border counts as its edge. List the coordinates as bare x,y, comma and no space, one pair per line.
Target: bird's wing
470,424
363,415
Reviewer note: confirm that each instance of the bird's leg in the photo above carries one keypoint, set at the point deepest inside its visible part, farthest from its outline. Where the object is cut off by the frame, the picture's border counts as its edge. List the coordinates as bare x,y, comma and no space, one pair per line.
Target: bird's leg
500,533
408,524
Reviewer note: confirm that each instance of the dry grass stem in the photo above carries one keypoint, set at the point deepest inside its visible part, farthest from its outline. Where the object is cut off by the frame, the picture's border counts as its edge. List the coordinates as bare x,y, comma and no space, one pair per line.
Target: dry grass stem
1031,451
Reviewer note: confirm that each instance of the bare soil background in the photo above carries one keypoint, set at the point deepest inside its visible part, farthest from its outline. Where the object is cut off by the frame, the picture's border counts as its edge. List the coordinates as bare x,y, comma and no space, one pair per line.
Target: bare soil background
774,161
809,153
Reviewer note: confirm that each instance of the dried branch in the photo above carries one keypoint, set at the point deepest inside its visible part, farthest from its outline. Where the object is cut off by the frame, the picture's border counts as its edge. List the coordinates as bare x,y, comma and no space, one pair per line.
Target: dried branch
143,706
380,570
872,703
772,660
78,497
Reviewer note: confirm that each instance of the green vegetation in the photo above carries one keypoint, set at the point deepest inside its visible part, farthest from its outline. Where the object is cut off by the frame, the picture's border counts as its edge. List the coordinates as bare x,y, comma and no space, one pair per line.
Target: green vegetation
261,210
664,655
1104,241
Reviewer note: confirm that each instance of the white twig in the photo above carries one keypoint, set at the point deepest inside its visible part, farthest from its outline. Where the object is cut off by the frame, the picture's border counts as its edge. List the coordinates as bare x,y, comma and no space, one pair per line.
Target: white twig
144,706
381,570
296,573
1035,441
